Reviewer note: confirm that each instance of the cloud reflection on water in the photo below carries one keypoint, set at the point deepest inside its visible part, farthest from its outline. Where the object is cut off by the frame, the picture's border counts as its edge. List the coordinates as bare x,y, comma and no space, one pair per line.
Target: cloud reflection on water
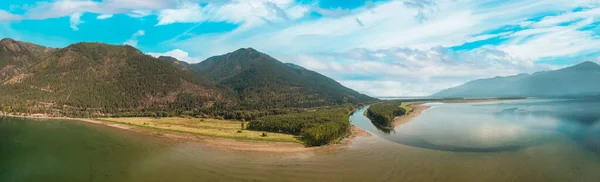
493,127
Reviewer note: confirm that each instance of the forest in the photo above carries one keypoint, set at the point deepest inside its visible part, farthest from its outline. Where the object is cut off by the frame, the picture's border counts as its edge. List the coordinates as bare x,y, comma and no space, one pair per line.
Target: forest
317,127
384,113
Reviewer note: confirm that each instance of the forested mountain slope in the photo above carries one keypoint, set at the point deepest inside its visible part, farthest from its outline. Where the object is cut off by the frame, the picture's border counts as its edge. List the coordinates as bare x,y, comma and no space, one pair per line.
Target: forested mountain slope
16,57
100,78
257,80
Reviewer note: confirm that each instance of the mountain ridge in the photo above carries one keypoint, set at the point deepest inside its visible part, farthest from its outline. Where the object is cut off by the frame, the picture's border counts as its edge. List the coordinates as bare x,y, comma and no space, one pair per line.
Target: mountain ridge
91,78
256,78
101,78
577,80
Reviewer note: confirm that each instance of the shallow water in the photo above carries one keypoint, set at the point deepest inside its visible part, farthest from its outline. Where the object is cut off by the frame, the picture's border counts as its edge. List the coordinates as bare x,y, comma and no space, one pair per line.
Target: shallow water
497,126
527,140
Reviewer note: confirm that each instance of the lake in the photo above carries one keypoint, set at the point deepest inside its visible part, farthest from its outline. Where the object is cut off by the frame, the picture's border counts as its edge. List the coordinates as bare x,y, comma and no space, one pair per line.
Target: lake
522,140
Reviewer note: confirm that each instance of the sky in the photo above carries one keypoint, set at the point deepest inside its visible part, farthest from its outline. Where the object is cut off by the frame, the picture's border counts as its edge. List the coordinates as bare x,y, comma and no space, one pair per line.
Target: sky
377,47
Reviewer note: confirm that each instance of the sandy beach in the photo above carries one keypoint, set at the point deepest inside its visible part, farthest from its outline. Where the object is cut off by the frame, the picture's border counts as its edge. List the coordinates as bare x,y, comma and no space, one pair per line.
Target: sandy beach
418,108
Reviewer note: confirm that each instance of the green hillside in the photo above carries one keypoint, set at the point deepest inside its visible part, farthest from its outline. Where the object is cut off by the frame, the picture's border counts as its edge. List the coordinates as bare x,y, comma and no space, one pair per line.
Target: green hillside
90,78
95,79
16,57
258,81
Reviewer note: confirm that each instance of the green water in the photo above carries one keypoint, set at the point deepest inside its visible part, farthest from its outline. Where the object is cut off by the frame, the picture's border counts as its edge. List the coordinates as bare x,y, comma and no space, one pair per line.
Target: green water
51,150
435,146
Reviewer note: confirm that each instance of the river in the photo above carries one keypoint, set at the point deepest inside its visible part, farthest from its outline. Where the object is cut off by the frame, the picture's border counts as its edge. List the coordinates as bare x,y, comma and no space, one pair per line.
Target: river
525,140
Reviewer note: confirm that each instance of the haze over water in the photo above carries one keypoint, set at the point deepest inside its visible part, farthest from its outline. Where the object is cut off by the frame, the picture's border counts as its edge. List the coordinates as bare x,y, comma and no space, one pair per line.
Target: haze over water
524,140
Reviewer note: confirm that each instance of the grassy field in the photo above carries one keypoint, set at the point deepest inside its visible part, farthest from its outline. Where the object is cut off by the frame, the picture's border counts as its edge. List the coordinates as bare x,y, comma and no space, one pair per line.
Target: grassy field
204,127
406,106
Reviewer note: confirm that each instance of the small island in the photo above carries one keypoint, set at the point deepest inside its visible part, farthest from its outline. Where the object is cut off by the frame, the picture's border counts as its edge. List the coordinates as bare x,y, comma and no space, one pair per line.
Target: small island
383,113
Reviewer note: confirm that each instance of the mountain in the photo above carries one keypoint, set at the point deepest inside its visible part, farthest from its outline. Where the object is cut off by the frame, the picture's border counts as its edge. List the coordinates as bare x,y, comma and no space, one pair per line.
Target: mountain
181,65
95,77
579,80
257,80
16,57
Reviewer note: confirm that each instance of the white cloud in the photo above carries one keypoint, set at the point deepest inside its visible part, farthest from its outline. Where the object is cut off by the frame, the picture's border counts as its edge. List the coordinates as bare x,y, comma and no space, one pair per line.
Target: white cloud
178,54
139,33
133,41
336,12
44,10
62,8
138,4
75,20
391,24
139,13
104,16
7,16
548,38
184,14
413,72
75,8
248,12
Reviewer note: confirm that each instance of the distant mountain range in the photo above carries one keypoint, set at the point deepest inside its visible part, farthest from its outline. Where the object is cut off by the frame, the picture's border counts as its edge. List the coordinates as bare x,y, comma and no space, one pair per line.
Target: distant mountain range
579,80
102,78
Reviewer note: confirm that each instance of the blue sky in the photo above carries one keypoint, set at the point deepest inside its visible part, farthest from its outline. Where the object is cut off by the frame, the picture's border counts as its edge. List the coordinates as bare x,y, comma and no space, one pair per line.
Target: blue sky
378,47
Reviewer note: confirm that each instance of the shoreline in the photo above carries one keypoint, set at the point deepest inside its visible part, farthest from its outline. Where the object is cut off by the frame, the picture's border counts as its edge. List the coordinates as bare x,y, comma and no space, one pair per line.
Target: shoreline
215,142
419,107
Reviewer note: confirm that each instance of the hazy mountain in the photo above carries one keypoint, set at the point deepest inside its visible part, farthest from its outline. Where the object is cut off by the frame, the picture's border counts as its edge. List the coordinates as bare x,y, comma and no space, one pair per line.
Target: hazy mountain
579,80
257,80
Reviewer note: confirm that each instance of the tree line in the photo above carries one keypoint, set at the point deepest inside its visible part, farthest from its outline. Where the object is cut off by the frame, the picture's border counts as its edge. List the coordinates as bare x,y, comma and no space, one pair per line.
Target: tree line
384,113
318,127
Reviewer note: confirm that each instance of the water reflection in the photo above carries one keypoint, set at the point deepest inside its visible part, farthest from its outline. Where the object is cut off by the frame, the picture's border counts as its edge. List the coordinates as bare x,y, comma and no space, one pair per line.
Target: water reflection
578,118
497,126
384,129
581,111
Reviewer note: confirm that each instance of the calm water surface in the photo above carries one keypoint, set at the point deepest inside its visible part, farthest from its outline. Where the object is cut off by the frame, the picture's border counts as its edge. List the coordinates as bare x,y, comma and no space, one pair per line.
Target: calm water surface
526,140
